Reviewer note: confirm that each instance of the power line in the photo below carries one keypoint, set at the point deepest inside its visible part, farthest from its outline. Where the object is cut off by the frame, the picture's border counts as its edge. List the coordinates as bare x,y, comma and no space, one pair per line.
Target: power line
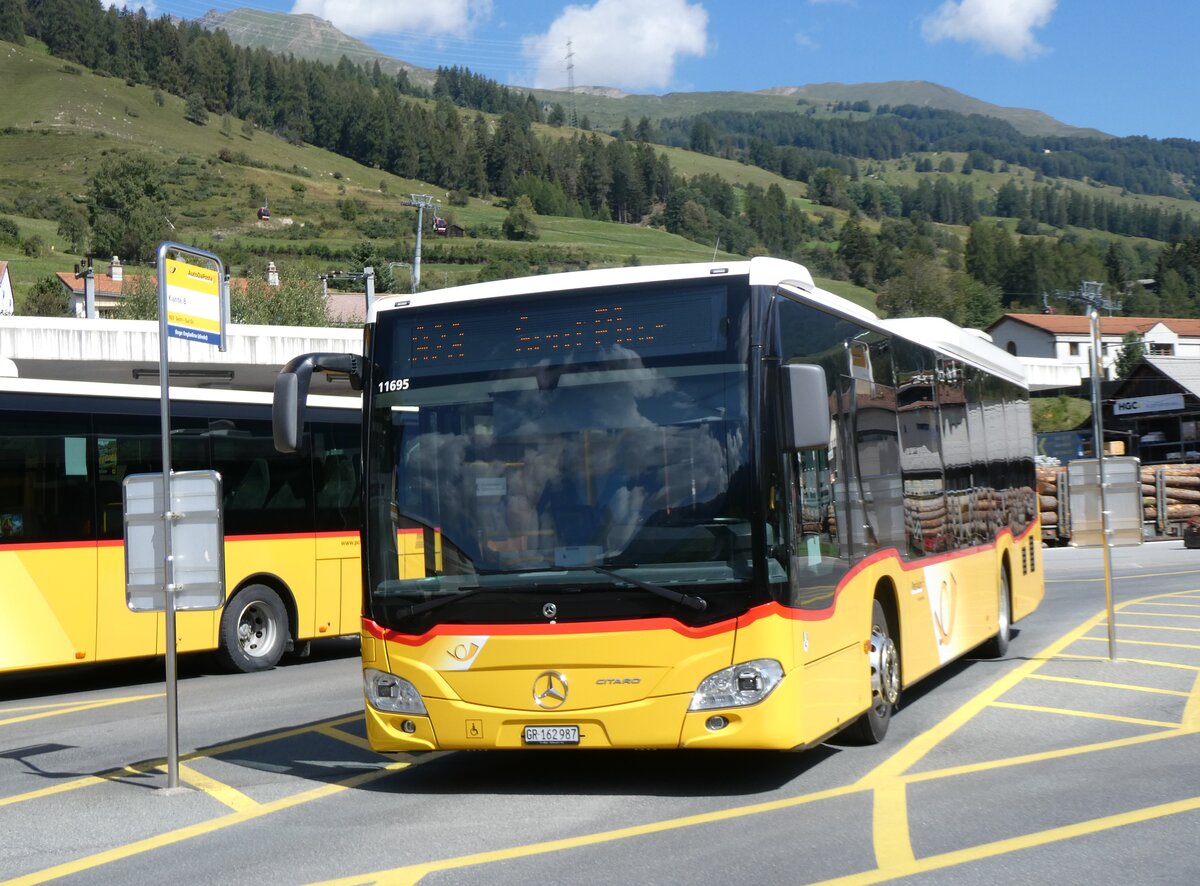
571,83
1090,293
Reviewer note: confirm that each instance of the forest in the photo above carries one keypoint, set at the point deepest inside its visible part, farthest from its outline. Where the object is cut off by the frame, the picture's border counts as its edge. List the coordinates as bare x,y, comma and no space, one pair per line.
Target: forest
929,242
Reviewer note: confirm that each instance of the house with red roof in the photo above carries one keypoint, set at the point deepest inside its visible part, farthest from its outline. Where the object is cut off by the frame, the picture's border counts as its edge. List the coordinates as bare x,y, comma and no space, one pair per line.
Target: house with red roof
1066,339
111,285
108,288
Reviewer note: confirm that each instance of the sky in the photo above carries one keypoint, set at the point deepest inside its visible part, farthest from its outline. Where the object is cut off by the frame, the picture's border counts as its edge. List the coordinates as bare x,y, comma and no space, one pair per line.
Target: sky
1123,68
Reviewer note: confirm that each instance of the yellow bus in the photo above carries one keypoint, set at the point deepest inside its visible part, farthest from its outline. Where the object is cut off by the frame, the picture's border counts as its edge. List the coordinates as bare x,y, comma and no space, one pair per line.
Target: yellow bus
692,506
291,522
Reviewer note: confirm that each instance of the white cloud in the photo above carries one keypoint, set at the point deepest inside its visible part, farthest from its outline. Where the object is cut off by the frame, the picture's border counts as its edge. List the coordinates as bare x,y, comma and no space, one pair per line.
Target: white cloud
627,43
1002,26
132,6
364,18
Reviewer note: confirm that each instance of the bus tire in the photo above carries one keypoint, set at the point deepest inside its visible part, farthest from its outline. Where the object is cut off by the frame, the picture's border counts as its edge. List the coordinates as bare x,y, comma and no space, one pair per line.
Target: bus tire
872,726
998,645
254,630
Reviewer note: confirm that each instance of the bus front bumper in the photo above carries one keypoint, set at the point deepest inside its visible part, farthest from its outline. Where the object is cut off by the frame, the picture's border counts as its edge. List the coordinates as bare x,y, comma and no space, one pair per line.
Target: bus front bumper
657,722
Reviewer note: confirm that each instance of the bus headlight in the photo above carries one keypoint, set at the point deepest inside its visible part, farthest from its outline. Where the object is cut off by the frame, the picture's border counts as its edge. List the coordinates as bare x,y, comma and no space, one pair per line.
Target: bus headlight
743,684
387,692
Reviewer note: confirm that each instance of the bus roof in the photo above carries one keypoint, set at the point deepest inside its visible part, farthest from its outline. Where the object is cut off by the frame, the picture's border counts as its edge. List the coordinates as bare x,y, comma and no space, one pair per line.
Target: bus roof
970,345
762,271
56,387
935,332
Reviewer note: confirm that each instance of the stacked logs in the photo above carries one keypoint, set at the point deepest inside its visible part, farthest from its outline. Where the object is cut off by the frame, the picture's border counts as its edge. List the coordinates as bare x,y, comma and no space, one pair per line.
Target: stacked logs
1182,486
1047,487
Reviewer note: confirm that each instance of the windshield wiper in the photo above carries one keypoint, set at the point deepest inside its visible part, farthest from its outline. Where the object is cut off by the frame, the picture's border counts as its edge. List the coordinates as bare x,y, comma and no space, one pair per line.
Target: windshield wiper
689,600
462,593
437,602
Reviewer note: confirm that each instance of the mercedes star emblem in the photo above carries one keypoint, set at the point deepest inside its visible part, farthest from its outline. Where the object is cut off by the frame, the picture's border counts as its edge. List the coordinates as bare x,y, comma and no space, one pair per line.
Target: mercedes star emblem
549,690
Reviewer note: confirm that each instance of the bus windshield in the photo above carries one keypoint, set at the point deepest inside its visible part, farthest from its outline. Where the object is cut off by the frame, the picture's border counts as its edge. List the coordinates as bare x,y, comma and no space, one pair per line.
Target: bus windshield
609,468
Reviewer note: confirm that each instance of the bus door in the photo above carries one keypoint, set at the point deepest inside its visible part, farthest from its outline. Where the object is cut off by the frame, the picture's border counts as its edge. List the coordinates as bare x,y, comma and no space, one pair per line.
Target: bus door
824,531
47,541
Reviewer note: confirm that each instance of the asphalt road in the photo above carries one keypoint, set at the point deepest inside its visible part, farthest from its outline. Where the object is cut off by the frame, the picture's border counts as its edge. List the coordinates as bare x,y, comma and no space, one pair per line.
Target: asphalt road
1052,764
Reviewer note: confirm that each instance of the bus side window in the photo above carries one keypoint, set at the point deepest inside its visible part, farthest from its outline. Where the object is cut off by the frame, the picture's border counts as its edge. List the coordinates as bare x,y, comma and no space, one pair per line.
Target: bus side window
258,482
45,482
336,465
249,491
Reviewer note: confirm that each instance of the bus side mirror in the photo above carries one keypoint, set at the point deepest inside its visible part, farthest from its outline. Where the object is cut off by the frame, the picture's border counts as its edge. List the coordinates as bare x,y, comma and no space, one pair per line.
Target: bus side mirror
291,393
805,407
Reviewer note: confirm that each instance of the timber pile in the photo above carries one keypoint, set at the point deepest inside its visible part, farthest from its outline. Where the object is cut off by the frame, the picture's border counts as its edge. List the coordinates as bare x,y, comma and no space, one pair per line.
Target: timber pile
1182,485
1047,487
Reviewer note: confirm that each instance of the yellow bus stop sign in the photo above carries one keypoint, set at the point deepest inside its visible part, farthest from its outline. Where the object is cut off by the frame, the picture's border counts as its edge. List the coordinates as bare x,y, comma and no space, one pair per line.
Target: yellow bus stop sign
193,302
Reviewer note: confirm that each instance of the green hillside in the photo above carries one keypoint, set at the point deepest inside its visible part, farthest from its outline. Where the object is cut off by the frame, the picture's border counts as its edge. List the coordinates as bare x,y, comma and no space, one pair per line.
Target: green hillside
909,208
61,121
605,109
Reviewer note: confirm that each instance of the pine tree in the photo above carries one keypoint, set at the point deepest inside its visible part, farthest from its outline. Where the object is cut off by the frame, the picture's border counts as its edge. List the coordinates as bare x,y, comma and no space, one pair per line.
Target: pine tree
12,21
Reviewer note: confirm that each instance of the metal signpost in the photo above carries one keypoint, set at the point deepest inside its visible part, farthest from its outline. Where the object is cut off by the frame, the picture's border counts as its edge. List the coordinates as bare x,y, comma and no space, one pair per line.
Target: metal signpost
1101,479
192,305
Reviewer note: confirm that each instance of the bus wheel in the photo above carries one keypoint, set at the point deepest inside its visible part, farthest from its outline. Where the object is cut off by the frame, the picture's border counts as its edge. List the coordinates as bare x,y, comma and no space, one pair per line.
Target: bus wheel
998,645
872,726
254,630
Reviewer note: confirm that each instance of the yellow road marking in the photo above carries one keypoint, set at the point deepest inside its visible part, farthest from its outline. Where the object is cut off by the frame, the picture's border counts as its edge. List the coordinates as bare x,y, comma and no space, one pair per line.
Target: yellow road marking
205,827
86,781
1191,713
148,766
1160,628
1104,685
227,794
1159,614
51,705
919,747
1139,576
339,735
1122,641
414,872
1043,756
1175,605
883,776
893,844
1140,661
59,710
1015,844
243,744
887,781
1039,709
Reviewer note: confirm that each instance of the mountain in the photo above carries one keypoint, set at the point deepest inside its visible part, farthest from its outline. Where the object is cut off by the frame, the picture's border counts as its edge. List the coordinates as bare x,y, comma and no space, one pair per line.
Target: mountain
931,95
305,36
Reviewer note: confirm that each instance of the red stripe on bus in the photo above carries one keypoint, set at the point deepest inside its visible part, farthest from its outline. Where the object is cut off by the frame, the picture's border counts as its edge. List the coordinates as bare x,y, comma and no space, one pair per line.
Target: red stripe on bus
766,610
774,608
120,542
290,536
515,630
48,546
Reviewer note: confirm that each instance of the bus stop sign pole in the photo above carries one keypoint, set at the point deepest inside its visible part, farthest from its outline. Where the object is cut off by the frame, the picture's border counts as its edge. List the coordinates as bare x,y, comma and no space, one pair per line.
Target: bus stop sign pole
1098,448
190,306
